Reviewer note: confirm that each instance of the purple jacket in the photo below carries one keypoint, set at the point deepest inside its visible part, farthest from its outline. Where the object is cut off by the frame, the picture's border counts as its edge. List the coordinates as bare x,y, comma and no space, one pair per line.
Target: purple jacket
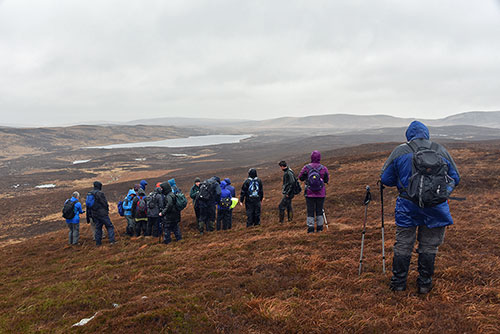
315,163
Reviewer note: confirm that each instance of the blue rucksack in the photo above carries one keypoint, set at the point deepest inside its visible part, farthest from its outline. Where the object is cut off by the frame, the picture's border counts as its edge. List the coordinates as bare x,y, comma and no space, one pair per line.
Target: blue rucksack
314,180
90,200
121,211
253,188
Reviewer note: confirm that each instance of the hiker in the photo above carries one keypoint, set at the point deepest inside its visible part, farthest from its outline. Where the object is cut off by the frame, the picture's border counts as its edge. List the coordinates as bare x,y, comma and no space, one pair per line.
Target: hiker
425,223
252,194
170,214
208,198
224,208
140,212
143,185
193,193
287,192
127,212
316,176
98,210
232,190
155,202
71,211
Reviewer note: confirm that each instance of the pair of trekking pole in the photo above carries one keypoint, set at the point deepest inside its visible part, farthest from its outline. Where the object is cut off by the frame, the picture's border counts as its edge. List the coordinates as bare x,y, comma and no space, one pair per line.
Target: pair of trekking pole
368,198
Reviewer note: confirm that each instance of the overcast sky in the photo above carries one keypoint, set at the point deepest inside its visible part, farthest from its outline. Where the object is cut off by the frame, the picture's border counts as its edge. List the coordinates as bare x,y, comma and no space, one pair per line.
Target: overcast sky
84,60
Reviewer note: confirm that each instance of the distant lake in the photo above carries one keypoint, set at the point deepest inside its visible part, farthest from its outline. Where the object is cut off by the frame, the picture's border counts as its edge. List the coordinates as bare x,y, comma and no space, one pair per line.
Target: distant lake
193,141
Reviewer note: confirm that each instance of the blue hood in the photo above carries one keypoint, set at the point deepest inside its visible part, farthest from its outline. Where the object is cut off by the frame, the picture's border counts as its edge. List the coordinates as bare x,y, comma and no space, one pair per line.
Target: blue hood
228,181
130,193
223,185
143,184
417,130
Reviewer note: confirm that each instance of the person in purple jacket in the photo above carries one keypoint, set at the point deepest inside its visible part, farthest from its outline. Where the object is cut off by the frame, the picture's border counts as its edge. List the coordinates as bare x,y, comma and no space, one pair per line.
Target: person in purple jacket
316,176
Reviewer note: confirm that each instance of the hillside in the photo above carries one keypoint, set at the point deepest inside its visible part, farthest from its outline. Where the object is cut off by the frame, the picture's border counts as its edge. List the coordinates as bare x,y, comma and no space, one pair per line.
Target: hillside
19,141
270,279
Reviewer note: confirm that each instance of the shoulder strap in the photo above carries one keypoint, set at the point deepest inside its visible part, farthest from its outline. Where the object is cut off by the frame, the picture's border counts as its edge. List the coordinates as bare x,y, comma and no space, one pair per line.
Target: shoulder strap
434,146
413,146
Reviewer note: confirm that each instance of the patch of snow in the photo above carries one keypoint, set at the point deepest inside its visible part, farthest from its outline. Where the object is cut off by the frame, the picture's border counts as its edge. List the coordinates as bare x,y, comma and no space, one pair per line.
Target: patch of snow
179,155
76,162
140,159
46,186
15,186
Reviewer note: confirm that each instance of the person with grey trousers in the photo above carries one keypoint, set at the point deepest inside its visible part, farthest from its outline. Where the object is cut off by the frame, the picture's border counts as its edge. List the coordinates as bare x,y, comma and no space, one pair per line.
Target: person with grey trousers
414,221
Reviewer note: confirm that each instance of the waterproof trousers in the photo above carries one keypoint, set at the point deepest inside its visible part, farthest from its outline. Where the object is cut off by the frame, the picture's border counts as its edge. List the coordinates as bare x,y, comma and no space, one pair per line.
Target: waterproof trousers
253,208
99,223
429,240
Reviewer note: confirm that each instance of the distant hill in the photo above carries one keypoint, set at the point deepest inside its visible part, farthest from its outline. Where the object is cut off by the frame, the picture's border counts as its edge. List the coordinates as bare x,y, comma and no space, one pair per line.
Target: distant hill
334,123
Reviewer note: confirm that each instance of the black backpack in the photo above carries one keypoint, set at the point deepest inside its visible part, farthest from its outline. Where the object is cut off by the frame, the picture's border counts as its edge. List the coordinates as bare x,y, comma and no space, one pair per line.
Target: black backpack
429,183
296,187
68,210
226,202
206,190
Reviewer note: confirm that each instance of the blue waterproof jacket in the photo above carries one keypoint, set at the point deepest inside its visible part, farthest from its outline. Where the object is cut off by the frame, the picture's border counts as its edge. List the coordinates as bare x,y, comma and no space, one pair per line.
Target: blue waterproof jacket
397,171
230,187
224,192
78,211
127,202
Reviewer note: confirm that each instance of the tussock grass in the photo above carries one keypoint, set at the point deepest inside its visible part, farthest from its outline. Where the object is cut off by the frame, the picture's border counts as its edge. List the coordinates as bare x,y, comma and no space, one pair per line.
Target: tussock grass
272,278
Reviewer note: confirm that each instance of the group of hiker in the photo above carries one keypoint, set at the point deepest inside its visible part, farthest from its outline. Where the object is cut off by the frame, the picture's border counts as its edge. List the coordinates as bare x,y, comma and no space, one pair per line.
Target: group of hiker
423,171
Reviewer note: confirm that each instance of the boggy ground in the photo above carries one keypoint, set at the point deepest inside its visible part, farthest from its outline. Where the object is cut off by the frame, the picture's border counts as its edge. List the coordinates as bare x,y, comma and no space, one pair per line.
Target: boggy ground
273,278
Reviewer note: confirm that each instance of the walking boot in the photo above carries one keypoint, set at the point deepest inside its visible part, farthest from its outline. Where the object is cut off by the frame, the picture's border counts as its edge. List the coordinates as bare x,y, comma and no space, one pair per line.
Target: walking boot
425,271
319,222
400,266
310,224
290,216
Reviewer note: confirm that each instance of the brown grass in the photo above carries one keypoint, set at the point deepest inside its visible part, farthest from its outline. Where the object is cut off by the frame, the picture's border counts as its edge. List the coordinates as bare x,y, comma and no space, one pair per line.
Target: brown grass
272,278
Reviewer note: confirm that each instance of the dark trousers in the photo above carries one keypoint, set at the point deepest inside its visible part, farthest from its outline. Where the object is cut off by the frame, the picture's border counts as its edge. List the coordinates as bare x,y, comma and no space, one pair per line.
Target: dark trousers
169,229
196,210
153,227
99,222
207,216
285,205
315,206
253,212
224,219
140,226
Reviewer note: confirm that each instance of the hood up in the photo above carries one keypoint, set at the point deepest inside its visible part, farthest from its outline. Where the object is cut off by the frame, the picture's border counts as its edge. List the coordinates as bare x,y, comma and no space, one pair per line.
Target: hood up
252,172
417,130
166,188
143,184
228,181
131,192
316,157
223,185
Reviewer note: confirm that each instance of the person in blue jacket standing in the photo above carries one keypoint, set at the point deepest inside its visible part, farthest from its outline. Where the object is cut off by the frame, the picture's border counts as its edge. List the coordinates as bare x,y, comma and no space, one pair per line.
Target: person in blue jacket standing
74,223
127,208
413,222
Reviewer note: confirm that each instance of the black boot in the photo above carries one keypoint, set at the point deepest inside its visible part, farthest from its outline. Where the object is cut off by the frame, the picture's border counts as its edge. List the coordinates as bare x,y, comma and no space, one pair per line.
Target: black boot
282,216
319,228
400,266
310,229
425,271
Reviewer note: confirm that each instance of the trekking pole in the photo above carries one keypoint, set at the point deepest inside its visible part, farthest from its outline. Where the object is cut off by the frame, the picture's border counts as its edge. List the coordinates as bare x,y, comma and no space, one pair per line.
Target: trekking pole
368,198
382,214
324,217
